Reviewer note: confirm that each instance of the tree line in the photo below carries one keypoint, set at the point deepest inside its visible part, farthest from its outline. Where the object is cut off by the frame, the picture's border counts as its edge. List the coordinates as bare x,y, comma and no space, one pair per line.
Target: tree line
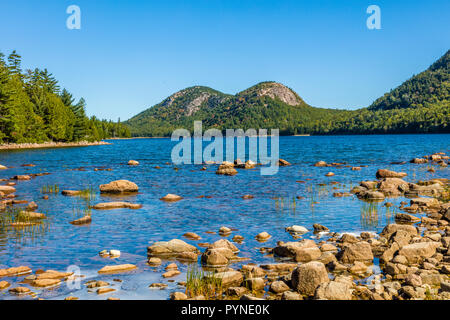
34,109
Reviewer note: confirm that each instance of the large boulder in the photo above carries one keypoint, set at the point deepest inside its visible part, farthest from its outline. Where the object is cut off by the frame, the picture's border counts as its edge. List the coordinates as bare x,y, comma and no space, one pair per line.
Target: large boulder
307,254
371,195
307,277
229,278
119,186
224,243
425,202
393,186
393,227
384,173
406,218
218,257
359,251
290,249
333,290
435,189
417,252
174,248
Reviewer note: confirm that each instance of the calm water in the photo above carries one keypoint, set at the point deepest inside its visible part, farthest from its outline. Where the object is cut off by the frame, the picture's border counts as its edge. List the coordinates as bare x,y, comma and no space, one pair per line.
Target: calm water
273,208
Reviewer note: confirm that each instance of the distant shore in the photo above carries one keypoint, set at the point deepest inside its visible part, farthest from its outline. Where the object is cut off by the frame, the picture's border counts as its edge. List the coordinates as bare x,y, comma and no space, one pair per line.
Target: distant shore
18,146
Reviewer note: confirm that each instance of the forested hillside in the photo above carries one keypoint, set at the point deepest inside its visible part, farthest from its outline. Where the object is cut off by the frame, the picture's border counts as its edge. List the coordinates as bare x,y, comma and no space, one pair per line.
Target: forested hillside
33,108
419,105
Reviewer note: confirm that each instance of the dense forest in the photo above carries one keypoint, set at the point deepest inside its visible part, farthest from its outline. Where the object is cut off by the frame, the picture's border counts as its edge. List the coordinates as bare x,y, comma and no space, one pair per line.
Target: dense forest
33,108
419,105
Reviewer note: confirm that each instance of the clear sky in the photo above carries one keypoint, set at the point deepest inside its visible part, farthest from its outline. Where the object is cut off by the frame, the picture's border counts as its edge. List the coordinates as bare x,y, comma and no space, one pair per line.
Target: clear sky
130,55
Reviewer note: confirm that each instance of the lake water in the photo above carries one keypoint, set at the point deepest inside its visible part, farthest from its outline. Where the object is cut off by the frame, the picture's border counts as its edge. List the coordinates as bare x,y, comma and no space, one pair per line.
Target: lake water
274,207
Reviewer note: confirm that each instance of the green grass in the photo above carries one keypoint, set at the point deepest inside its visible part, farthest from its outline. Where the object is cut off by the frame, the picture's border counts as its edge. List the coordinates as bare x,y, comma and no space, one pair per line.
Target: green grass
199,282
50,189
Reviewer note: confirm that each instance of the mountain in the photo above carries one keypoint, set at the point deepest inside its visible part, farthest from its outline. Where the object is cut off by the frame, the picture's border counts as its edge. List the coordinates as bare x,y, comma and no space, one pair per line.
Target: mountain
265,105
419,105
429,88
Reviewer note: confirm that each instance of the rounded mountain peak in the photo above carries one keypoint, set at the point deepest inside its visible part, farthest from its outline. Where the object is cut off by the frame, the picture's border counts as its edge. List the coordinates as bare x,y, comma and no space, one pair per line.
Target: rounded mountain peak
274,90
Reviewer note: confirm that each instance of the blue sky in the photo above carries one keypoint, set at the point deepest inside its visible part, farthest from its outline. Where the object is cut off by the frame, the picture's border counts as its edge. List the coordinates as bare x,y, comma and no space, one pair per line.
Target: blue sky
130,55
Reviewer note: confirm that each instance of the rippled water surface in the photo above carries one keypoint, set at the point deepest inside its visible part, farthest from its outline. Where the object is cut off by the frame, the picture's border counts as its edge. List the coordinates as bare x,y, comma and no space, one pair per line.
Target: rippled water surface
59,244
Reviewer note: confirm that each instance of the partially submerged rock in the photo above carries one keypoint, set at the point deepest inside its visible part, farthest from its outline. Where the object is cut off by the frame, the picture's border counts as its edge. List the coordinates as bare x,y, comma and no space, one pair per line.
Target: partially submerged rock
263,236
116,205
118,268
84,220
7,189
384,173
283,163
174,248
14,271
171,198
297,229
226,168
119,186
133,163
70,192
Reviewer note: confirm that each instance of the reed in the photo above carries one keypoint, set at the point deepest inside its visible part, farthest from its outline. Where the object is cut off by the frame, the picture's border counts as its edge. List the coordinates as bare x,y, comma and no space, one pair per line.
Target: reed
50,189
205,283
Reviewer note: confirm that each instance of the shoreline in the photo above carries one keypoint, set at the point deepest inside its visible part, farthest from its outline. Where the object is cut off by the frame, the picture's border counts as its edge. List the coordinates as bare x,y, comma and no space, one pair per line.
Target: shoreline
44,145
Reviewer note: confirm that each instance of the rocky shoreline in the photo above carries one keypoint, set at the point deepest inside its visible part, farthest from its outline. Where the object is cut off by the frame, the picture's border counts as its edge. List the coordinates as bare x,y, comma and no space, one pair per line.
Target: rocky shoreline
18,146
407,260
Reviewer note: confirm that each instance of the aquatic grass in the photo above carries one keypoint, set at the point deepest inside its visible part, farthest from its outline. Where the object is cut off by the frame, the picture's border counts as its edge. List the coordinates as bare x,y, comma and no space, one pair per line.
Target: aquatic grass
88,195
21,227
50,189
205,283
283,204
81,209
369,214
